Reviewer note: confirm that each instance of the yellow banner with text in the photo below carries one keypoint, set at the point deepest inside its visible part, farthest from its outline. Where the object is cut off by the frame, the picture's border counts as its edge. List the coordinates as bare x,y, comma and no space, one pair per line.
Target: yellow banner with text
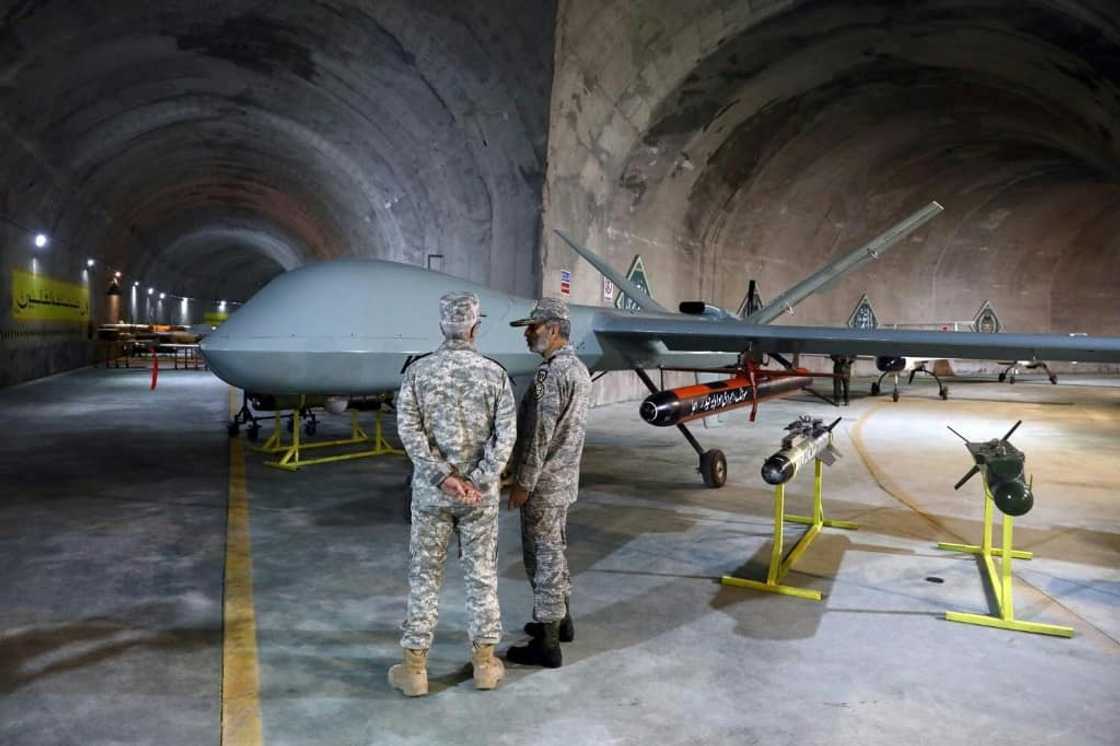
40,298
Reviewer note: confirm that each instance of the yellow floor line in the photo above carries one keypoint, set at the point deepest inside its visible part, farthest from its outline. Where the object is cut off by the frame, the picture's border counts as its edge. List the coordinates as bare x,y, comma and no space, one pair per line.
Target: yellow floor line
241,709
881,478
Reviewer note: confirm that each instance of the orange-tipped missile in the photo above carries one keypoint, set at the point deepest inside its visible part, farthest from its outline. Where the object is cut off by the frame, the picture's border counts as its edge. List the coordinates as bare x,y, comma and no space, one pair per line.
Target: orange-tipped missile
678,406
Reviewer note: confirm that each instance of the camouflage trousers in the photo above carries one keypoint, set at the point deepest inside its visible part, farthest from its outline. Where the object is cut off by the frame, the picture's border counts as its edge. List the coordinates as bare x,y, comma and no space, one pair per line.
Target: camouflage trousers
478,537
544,539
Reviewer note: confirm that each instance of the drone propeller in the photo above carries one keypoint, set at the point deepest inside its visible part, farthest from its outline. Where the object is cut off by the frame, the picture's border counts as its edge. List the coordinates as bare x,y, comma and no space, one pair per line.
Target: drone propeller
1013,429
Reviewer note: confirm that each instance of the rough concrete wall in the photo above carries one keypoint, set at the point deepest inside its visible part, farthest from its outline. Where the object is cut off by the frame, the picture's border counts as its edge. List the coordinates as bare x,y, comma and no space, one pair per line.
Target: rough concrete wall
202,148
732,140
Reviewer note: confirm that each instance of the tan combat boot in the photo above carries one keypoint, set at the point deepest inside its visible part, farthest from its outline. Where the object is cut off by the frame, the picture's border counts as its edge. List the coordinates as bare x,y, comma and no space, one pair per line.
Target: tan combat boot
411,676
488,670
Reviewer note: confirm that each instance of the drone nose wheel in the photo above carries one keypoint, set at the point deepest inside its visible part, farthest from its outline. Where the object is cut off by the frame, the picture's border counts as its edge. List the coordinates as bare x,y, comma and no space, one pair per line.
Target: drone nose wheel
713,467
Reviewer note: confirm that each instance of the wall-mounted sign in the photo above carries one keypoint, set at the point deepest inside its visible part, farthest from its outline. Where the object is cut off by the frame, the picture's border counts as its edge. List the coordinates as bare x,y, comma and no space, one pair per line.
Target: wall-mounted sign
608,290
986,321
863,315
636,275
39,298
565,282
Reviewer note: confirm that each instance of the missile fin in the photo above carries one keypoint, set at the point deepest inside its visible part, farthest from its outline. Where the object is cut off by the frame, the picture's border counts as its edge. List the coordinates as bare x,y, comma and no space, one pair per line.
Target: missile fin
968,475
1012,430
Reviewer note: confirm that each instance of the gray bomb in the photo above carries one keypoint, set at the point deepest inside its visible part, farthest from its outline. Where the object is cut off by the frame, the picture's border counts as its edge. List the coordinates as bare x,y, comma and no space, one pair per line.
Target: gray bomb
808,439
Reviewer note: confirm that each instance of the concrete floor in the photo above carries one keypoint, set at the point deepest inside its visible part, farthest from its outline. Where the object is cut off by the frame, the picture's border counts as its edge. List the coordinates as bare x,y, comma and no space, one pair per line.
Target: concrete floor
112,531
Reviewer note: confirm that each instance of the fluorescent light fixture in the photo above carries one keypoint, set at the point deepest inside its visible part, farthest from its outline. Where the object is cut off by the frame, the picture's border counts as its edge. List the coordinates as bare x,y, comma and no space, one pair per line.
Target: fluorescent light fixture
162,295
89,262
41,240
117,275
151,290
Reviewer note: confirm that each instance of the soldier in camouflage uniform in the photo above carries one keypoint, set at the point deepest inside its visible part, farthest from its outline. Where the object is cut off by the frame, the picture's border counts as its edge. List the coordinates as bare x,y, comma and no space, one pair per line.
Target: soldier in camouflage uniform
545,470
456,419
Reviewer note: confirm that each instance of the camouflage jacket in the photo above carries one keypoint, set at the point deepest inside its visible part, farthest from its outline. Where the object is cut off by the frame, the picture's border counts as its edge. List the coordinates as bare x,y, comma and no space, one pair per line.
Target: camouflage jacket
455,415
550,428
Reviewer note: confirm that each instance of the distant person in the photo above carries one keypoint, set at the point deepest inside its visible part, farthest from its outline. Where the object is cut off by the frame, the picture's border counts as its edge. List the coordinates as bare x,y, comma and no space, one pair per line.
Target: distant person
456,417
841,377
545,470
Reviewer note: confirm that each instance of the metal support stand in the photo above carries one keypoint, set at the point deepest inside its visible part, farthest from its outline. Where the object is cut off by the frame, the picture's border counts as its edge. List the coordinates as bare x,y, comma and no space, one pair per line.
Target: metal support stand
292,459
778,566
1000,581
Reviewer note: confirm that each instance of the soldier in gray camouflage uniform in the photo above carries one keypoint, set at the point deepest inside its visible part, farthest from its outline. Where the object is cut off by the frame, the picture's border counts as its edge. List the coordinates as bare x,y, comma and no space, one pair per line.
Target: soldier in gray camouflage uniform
456,419
545,469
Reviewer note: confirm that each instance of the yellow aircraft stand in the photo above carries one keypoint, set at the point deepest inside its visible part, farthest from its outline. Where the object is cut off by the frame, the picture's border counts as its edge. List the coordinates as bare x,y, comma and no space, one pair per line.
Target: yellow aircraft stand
778,566
292,458
1000,582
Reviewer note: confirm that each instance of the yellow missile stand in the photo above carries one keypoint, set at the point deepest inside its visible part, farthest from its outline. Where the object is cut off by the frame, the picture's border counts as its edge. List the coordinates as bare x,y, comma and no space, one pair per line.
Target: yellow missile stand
292,458
778,566
1001,581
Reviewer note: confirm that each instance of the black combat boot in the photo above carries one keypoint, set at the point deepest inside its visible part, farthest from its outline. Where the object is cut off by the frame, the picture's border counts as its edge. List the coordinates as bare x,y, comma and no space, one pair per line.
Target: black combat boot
567,629
541,651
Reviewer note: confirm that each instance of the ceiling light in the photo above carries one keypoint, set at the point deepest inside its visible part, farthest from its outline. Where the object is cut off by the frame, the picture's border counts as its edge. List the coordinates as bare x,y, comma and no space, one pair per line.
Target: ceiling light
89,262
41,240
151,290
161,295
117,275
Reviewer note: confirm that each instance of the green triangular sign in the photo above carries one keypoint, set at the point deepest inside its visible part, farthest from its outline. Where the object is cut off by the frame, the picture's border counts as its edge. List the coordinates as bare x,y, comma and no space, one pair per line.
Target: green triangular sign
637,275
863,315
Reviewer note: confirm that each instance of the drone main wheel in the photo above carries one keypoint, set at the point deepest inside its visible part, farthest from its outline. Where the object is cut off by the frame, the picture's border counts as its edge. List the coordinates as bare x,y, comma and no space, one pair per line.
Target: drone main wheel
894,395
713,467
944,393
875,390
1002,377
232,429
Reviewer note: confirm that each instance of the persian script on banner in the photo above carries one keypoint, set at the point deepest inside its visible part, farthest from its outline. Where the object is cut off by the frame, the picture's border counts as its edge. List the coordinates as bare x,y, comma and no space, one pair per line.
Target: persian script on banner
39,298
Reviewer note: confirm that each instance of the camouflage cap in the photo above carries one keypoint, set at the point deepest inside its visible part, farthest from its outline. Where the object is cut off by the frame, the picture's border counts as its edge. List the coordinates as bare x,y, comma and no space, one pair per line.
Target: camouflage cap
458,311
547,309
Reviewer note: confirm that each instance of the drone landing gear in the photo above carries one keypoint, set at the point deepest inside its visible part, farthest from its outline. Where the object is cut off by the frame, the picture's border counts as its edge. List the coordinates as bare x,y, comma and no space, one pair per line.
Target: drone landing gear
252,422
877,387
713,464
1008,374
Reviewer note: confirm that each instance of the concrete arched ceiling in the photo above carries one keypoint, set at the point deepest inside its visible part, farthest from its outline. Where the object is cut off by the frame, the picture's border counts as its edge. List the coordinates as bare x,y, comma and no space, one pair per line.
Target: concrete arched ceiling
807,133
209,145
734,139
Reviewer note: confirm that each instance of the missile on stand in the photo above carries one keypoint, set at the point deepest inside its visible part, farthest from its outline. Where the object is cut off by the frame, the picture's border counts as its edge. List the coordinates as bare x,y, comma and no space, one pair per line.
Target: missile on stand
808,439
678,406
